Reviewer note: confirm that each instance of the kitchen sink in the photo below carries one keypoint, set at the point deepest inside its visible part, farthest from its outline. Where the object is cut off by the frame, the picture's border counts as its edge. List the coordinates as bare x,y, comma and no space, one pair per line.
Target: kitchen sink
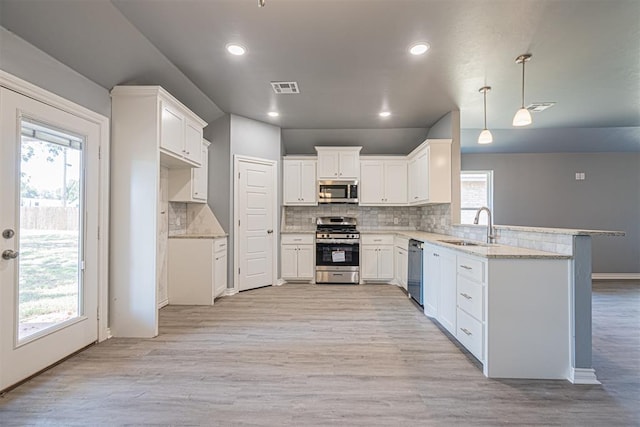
461,243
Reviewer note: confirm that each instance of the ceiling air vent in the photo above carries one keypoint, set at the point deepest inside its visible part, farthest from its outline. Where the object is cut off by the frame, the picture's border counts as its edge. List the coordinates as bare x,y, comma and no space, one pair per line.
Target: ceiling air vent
285,88
537,107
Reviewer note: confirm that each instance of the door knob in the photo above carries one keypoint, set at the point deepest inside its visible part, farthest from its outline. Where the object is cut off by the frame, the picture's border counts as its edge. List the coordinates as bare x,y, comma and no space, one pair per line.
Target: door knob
8,233
9,254
269,231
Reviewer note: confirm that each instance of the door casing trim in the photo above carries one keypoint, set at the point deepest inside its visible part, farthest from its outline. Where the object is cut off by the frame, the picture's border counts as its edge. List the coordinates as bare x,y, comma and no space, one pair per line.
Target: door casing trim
237,158
16,84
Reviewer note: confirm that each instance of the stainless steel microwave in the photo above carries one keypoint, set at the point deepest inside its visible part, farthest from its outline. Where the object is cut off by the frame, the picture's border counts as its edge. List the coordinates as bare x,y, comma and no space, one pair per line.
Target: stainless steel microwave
331,191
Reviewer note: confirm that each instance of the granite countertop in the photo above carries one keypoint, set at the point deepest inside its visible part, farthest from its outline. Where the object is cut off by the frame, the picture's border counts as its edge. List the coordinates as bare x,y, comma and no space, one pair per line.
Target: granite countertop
199,236
567,231
484,250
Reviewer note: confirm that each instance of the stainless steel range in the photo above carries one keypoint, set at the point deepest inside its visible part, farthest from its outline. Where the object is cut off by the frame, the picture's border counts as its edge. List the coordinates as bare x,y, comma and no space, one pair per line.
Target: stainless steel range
337,251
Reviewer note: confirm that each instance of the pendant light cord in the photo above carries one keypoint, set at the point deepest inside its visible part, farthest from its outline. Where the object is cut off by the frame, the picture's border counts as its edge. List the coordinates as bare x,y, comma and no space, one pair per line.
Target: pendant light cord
485,108
523,61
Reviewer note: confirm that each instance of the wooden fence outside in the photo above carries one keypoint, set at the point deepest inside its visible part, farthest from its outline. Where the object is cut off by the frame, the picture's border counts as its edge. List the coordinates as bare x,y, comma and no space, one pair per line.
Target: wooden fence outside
48,218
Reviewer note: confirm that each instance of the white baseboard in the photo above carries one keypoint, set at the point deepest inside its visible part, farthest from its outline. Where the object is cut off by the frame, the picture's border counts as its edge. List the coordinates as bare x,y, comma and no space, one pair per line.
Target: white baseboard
230,291
615,276
280,282
583,376
163,303
109,333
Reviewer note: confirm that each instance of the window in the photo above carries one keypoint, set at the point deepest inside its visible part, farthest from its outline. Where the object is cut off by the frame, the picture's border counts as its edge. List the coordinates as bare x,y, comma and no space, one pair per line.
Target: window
476,190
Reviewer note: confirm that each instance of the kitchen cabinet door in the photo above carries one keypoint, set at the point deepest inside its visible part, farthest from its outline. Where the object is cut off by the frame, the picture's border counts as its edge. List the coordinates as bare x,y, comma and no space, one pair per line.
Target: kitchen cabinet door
308,182
328,165
306,256
431,281
201,175
349,162
220,274
372,183
369,264
385,262
193,142
395,182
289,264
171,129
447,295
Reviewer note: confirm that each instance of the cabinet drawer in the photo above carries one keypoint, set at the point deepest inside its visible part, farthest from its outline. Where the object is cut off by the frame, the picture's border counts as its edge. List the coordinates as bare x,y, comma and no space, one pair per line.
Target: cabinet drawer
377,239
471,268
470,297
469,333
296,239
401,242
220,245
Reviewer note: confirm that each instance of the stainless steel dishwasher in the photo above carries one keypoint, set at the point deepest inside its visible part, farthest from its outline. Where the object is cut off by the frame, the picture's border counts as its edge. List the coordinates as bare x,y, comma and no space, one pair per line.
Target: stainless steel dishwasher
414,280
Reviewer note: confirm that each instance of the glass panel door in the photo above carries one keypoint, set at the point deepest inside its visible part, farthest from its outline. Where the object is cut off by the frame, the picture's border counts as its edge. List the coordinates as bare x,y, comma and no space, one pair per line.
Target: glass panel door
50,237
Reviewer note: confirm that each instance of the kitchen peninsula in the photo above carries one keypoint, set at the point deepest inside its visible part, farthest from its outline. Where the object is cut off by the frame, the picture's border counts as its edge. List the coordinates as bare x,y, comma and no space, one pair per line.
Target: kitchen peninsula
521,306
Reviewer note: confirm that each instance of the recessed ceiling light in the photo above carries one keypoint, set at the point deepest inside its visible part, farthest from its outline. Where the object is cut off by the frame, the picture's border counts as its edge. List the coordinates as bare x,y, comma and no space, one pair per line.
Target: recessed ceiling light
273,114
236,49
419,48
385,114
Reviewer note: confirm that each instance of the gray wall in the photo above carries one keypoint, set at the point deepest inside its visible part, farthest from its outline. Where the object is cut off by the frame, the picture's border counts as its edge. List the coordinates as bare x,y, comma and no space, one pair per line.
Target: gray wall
219,190
29,63
541,190
373,141
443,128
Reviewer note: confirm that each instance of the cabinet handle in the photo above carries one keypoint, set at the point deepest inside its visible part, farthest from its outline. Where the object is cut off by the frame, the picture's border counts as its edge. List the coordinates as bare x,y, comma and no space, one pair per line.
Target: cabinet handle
466,267
377,240
336,173
297,240
466,331
436,255
466,295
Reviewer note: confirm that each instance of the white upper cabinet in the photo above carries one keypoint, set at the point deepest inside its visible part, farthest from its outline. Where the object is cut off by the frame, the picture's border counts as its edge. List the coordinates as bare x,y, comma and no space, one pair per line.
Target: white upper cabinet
430,172
338,162
180,133
383,181
299,182
190,184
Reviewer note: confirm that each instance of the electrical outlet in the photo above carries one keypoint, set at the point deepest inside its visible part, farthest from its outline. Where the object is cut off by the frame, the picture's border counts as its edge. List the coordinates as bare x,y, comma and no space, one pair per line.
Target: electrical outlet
580,176
395,221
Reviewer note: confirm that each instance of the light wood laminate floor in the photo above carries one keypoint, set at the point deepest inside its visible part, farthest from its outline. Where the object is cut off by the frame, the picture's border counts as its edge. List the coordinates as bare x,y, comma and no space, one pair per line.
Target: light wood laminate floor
309,355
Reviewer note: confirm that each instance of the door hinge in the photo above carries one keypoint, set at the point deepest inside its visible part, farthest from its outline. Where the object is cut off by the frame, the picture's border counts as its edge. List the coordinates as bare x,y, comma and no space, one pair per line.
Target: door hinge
238,272
98,232
238,175
82,265
238,223
99,152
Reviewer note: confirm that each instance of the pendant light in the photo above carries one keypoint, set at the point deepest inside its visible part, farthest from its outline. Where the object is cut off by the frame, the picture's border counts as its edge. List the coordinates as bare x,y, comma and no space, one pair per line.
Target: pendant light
523,116
485,136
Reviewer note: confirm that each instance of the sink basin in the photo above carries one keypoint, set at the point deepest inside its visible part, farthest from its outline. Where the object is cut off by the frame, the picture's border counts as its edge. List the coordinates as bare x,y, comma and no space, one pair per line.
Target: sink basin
461,243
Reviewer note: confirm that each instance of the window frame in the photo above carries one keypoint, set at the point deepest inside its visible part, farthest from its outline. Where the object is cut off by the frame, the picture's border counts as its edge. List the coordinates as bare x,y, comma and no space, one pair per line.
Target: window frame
488,174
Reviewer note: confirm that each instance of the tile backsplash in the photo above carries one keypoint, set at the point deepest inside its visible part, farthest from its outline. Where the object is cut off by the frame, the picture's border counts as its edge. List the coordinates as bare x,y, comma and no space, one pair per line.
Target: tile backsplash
368,217
177,218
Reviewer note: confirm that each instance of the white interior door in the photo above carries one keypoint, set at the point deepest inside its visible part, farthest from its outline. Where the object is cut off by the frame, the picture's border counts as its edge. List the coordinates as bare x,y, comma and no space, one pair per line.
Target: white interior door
256,226
49,201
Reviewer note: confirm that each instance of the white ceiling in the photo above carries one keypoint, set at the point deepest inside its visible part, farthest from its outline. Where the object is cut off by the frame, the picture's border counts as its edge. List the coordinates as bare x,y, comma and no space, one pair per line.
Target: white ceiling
350,59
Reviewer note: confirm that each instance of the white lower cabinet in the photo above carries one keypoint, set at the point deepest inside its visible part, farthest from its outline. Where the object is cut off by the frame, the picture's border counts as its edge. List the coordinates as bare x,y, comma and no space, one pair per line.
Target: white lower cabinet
453,295
197,270
401,257
298,256
377,259
510,313
470,274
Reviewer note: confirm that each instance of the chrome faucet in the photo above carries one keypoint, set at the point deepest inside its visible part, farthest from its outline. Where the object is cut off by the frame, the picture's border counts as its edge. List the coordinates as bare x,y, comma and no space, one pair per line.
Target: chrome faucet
491,236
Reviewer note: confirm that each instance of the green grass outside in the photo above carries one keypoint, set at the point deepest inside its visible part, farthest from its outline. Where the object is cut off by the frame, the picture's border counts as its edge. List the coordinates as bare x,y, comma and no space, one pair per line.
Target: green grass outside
48,275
